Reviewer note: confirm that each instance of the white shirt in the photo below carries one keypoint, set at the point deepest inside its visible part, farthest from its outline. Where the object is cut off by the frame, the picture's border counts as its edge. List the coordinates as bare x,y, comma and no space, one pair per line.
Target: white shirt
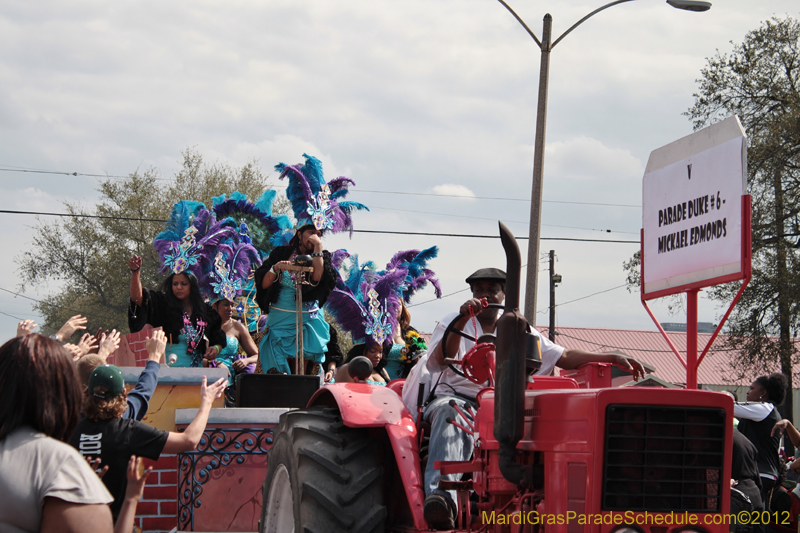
452,382
34,466
756,411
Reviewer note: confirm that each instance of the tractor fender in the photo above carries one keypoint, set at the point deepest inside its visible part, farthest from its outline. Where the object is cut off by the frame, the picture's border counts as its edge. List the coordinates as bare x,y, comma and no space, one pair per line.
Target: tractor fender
362,405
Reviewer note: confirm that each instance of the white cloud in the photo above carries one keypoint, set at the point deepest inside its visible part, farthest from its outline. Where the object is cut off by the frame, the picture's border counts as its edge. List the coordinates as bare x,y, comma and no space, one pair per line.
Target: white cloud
450,189
399,96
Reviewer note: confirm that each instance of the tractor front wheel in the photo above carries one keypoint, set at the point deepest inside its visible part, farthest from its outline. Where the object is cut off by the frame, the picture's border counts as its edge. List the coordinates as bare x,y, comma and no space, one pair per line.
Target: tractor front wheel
322,476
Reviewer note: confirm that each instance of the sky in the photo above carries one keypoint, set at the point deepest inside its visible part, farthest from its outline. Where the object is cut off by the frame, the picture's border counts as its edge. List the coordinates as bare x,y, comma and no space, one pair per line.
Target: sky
437,99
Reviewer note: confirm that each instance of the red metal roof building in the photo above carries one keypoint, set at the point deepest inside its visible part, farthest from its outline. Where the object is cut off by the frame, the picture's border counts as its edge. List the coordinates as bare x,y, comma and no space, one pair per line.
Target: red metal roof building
651,348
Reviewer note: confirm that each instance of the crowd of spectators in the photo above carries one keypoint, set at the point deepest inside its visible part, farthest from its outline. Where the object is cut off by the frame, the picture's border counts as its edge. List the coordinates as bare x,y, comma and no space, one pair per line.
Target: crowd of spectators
72,440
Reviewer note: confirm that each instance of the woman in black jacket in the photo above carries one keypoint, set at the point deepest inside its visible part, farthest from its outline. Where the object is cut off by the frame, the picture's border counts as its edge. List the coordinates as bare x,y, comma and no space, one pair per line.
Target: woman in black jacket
178,308
275,295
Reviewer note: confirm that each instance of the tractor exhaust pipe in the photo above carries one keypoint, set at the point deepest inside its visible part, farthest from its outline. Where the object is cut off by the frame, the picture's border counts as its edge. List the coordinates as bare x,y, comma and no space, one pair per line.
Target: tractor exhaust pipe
509,403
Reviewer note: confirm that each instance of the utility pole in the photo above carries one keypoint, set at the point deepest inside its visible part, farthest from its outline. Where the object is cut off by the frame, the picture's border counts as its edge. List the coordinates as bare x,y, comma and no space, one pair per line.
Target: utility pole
554,279
546,45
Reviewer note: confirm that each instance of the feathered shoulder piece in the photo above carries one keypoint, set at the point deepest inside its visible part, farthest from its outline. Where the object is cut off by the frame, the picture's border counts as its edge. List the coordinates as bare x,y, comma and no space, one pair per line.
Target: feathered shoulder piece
365,303
255,221
415,262
192,230
315,201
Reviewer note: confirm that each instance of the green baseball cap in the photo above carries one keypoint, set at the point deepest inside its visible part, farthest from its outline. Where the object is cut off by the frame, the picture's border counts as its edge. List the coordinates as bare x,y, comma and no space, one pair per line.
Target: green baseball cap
110,377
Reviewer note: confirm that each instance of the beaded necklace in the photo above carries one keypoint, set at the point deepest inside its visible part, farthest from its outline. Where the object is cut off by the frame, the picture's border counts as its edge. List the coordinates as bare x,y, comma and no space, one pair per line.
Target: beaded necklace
193,337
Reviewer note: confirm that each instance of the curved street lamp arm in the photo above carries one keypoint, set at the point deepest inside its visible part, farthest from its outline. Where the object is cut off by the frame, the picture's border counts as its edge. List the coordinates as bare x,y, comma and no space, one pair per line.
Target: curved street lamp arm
596,11
529,30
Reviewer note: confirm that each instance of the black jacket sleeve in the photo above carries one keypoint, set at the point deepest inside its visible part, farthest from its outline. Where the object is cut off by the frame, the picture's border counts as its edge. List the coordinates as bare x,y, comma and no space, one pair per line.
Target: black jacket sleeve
214,332
156,311
327,282
265,297
334,353
318,292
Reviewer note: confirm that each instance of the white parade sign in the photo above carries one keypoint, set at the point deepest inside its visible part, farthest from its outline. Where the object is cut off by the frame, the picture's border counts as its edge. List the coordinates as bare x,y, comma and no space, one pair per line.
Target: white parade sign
692,210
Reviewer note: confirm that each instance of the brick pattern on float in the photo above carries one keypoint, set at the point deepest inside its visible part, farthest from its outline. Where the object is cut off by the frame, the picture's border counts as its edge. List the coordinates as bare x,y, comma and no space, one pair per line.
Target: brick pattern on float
158,509
132,349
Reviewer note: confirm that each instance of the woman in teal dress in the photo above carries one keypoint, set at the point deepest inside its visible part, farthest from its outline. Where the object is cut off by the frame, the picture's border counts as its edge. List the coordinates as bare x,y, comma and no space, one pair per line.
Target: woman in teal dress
237,336
275,294
178,308
319,207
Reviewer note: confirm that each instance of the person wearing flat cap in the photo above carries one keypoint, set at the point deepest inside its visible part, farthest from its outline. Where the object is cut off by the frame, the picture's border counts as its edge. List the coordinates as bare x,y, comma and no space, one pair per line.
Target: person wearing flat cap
447,441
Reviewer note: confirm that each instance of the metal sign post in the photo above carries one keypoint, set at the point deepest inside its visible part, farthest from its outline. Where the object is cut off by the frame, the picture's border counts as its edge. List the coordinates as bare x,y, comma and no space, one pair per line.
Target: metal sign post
696,225
300,280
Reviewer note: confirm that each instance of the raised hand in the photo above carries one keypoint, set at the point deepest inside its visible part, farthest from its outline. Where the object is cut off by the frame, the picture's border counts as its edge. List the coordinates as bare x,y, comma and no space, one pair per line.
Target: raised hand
87,343
26,327
208,393
135,263
71,326
109,342
156,345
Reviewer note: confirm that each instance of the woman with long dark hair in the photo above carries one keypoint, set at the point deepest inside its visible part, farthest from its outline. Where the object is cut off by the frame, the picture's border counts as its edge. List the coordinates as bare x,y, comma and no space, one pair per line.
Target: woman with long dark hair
45,484
178,308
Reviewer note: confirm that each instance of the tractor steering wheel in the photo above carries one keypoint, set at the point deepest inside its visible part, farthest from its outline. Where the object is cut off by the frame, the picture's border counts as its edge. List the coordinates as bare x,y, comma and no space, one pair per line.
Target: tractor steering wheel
476,371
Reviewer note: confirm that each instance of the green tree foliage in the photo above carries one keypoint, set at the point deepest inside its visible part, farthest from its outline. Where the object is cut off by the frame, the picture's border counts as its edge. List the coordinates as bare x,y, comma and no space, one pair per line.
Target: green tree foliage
87,255
760,82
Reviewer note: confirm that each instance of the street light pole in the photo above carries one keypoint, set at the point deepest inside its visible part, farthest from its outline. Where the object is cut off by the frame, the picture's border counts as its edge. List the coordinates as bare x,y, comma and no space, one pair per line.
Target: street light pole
532,278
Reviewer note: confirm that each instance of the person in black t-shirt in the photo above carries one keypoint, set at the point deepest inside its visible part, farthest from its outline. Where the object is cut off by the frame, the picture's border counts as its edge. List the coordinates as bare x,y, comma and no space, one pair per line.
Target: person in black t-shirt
105,434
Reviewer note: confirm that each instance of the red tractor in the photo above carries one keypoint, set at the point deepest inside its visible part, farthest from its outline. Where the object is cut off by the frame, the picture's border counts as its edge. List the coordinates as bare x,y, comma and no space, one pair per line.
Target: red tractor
550,454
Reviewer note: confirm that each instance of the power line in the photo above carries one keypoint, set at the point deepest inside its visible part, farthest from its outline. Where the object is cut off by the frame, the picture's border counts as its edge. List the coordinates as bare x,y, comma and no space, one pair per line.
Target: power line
546,309
76,215
594,294
66,173
72,309
494,219
475,236
383,232
494,198
436,299
12,316
18,294
57,173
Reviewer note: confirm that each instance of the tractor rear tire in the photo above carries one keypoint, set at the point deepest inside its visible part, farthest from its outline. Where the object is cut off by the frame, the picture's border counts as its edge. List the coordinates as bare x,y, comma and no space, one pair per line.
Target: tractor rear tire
322,476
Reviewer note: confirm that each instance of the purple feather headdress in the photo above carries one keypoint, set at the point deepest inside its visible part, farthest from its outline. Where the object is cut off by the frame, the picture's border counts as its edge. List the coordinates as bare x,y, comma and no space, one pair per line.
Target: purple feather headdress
191,232
257,225
414,262
366,304
227,274
315,201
